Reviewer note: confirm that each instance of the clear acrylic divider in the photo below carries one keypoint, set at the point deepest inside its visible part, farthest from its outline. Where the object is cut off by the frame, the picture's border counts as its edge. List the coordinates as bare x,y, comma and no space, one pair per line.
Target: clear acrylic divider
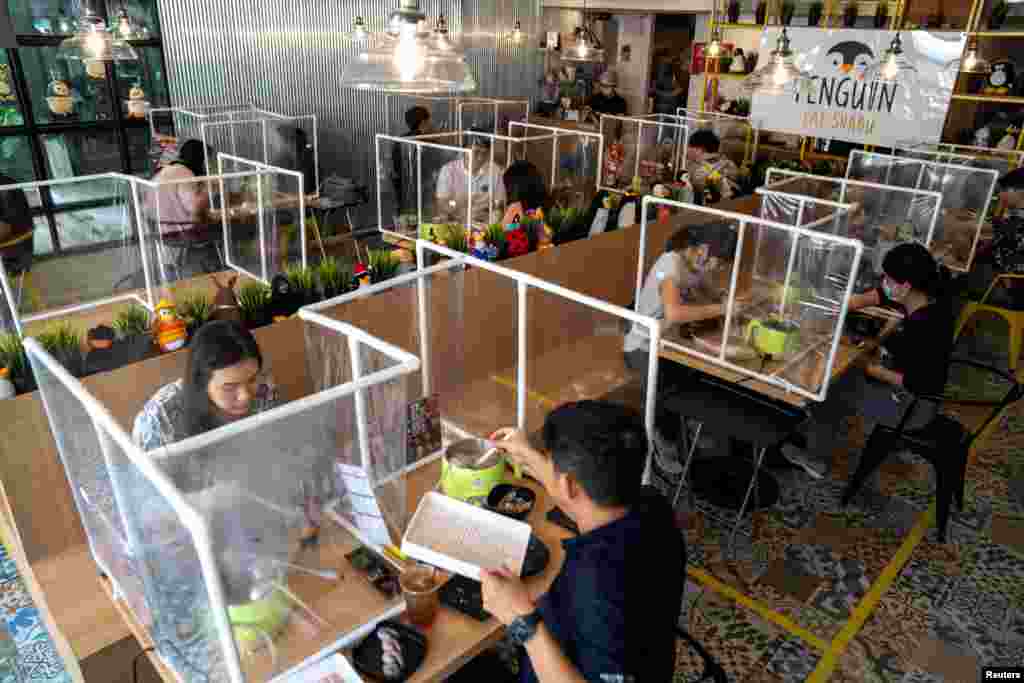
286,142
735,133
783,290
490,115
423,185
569,161
652,149
43,275
170,127
968,194
883,215
208,539
1000,160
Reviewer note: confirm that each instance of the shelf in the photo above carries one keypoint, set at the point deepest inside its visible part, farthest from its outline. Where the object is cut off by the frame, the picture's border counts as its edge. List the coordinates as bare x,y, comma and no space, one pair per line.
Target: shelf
997,34
995,99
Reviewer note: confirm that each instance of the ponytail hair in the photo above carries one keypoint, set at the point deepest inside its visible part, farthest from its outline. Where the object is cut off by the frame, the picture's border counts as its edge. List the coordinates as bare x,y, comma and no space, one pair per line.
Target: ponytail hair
912,262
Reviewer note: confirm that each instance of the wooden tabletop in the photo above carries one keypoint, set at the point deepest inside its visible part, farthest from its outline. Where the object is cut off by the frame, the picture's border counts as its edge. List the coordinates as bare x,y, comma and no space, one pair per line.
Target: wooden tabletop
453,638
847,355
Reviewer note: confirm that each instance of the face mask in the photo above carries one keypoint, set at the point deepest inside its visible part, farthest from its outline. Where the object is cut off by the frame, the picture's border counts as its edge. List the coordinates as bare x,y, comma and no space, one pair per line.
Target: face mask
890,291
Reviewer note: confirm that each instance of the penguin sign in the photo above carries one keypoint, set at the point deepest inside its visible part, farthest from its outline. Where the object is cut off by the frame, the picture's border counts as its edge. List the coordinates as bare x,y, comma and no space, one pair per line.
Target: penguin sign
846,90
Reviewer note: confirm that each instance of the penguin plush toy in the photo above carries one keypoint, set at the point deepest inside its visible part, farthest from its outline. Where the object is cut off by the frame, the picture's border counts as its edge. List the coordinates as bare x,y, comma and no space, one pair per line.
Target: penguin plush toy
1000,79
284,301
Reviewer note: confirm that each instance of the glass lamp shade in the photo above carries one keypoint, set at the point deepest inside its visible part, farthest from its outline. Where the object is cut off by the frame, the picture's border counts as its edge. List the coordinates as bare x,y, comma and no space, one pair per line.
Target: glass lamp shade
412,61
894,65
780,76
94,43
587,48
974,63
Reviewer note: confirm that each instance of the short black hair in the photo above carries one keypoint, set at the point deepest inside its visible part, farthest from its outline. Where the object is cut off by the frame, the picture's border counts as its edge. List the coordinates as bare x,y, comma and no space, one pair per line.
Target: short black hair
415,117
720,236
215,346
525,184
602,445
912,262
1014,180
706,140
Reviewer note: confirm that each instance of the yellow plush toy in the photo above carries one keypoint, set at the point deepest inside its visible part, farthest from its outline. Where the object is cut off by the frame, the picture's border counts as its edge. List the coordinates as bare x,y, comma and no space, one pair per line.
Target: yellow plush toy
169,330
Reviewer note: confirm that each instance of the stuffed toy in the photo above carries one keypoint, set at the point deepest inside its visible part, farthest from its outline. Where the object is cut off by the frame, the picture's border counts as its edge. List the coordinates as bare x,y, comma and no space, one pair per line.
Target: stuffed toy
169,331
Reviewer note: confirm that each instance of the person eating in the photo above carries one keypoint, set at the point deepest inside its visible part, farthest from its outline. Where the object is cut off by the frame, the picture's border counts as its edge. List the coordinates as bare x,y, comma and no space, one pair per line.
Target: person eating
708,169
453,181
611,613
223,382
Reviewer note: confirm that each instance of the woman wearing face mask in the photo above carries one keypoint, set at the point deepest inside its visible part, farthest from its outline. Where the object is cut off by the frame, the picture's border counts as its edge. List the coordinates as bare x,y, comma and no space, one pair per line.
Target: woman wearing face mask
669,293
915,359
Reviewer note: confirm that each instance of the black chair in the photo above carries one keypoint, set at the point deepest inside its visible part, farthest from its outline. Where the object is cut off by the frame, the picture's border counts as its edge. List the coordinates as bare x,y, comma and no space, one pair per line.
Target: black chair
713,671
943,442
744,415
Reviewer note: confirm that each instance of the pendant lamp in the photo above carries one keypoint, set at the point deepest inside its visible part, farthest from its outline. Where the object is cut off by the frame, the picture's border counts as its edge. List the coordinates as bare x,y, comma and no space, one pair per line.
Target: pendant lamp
588,46
407,57
894,65
93,42
714,48
780,75
973,62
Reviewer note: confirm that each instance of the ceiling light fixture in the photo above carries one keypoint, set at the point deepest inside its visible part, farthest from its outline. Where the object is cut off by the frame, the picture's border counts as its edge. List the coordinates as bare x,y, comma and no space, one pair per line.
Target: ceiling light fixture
93,42
781,75
894,65
714,49
407,57
588,45
517,33
973,62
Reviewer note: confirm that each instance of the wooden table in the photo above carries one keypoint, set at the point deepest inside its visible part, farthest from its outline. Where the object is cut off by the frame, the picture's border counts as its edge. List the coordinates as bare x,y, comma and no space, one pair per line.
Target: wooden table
453,638
847,355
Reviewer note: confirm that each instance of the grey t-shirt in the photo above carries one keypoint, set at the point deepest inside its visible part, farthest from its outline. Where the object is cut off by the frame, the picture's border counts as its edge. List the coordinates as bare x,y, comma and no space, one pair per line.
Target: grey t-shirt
668,265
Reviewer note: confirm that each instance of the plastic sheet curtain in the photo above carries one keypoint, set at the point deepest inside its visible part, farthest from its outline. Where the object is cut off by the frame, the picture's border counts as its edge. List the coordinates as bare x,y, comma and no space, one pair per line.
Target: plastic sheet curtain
197,536
264,226
569,162
967,196
286,142
651,149
785,290
94,261
731,130
1000,160
491,115
883,215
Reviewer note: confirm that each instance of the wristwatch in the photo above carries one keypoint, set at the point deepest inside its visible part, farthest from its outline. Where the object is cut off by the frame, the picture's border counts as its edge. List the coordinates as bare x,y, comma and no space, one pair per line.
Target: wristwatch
523,628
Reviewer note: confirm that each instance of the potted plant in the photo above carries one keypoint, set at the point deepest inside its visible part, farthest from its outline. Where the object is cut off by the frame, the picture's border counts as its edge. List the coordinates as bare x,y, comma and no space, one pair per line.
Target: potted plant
383,265
741,107
195,308
850,14
134,341
882,14
12,357
253,301
814,13
101,356
64,343
761,13
724,62
334,277
303,284
494,236
454,237
999,12
733,11
788,10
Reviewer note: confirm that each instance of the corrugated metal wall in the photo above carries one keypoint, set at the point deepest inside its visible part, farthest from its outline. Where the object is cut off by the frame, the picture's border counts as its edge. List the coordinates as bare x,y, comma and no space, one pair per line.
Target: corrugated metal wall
288,56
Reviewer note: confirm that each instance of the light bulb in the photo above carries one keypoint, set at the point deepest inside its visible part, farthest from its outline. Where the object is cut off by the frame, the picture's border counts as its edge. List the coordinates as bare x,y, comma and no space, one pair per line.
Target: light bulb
94,44
971,60
780,77
890,69
582,48
359,29
517,33
408,54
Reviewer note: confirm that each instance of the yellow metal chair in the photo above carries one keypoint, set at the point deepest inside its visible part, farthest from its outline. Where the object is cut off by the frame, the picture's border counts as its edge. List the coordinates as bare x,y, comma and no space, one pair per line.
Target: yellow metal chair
23,271
1014,319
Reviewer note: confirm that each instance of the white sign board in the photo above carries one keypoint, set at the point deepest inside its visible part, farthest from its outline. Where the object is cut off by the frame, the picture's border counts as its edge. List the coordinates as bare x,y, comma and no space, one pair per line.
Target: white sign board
839,99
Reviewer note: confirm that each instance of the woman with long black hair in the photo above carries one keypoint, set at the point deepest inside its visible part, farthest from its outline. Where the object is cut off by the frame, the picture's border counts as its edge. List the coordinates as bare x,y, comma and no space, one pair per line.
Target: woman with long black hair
224,381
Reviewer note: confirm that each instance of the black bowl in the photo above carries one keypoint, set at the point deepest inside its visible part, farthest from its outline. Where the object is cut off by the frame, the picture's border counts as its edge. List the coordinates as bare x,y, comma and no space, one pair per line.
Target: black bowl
501,490
367,655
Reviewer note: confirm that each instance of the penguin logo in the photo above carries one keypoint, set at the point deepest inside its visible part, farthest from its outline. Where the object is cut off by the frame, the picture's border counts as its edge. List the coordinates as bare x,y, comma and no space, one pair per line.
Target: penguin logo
850,55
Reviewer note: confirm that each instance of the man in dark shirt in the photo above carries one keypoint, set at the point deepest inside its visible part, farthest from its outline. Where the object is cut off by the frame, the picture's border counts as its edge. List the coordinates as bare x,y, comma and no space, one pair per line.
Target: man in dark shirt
607,101
610,615
15,223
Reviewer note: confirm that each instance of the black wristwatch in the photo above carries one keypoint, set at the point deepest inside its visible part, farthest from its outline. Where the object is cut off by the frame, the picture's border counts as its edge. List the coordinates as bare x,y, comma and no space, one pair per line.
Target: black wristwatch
523,628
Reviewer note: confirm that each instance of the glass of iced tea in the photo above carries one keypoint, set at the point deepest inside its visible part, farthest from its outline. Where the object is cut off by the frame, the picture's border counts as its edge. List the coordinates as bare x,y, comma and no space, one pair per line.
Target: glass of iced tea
420,586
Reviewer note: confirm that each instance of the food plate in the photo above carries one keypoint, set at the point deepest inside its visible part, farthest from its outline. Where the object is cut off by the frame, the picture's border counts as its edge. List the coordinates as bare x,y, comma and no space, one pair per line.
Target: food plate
511,501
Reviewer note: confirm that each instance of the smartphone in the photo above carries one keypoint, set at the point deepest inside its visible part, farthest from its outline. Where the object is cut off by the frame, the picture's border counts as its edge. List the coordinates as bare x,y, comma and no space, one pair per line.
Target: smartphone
376,569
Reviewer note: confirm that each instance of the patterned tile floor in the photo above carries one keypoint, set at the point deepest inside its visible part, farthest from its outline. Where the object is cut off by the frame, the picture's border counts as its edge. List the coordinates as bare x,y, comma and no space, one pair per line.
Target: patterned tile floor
37,659
953,607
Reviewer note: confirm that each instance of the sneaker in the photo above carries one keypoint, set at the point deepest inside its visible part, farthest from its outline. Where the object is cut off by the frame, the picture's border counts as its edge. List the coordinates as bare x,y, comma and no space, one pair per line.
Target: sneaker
814,468
666,455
